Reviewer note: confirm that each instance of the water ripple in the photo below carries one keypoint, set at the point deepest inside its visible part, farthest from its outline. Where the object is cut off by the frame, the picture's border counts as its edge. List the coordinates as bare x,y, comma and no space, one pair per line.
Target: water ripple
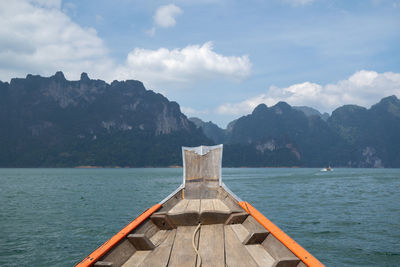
55,217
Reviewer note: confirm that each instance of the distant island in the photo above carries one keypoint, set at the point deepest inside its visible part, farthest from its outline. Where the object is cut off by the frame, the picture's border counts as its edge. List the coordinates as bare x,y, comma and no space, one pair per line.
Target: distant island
53,122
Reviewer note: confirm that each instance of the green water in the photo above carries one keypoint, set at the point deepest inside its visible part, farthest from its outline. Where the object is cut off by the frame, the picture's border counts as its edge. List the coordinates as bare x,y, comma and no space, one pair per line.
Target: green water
56,217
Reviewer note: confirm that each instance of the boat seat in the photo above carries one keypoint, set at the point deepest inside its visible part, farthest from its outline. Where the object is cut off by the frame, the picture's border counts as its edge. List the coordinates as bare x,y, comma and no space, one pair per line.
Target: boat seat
282,255
185,213
141,242
194,211
286,262
237,217
257,233
162,221
213,211
250,232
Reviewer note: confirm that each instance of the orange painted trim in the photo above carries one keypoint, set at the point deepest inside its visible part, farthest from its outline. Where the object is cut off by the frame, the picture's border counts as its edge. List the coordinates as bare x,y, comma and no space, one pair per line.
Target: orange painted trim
103,249
299,251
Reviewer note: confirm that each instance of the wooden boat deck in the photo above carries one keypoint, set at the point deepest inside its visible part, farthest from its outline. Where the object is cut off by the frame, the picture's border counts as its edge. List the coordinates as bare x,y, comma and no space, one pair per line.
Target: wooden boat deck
219,244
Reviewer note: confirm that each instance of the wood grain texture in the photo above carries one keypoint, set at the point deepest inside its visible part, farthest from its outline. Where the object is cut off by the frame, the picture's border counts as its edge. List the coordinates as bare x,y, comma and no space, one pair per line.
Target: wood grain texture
141,242
203,167
160,255
260,255
240,231
159,237
180,207
213,211
103,264
220,206
206,205
211,245
257,233
182,253
276,248
193,205
237,217
236,253
136,258
162,221
121,253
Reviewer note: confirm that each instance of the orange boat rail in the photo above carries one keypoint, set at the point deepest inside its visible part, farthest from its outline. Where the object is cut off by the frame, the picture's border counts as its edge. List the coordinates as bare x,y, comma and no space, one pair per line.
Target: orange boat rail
103,249
299,251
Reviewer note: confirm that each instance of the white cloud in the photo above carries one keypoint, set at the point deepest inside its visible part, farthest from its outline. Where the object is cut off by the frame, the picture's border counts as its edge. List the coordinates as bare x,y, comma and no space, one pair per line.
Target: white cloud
165,15
193,112
70,8
37,37
188,110
191,63
362,88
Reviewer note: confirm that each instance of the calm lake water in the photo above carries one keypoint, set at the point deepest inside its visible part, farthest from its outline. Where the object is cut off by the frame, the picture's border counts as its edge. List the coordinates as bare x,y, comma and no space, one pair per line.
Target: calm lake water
56,217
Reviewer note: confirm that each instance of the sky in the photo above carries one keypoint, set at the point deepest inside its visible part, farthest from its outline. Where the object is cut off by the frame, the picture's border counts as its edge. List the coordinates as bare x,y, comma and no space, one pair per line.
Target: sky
218,59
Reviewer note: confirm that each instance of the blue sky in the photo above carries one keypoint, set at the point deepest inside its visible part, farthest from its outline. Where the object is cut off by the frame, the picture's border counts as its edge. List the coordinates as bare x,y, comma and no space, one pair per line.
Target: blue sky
217,58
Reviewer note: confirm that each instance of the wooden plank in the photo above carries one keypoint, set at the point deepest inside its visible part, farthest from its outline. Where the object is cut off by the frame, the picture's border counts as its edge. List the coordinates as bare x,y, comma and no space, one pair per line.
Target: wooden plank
137,258
162,221
180,207
160,255
255,238
253,226
257,232
193,190
121,253
207,212
236,253
260,255
240,231
209,190
211,245
147,228
231,203
182,253
103,264
276,248
108,245
140,241
220,206
186,213
206,205
237,217
193,205
213,211
281,237
204,167
289,262
159,237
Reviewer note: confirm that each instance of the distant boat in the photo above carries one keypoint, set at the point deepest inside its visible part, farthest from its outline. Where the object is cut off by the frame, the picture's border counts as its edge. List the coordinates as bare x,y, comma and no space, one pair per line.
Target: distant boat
201,223
327,169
